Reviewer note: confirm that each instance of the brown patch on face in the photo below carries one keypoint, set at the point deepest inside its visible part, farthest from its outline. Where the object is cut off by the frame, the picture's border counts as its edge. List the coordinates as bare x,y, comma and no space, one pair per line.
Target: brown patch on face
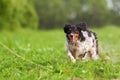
76,36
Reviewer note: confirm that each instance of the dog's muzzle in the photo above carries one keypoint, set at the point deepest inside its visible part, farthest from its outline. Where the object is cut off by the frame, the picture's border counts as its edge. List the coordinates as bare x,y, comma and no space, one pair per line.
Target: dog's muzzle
73,37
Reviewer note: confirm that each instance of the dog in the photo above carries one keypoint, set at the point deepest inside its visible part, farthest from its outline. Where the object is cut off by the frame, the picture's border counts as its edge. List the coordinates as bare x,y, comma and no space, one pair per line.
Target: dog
80,42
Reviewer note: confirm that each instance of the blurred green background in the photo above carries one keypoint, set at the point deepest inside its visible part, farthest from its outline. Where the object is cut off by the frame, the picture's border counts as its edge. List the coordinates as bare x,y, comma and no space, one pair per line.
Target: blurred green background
30,51
52,14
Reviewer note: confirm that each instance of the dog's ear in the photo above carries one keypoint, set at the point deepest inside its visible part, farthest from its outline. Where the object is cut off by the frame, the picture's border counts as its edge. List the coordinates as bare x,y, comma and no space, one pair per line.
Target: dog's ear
66,27
82,26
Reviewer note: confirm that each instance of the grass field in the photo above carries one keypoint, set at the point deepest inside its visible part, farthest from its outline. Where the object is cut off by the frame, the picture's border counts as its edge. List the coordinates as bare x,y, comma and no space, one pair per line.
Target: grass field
41,55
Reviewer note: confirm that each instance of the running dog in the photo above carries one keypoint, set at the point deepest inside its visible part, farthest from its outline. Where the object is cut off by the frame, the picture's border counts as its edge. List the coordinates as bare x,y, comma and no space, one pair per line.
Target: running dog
80,42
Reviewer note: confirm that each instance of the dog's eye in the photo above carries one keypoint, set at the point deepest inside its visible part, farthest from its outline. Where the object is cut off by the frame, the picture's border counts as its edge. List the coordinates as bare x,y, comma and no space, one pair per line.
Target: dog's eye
68,32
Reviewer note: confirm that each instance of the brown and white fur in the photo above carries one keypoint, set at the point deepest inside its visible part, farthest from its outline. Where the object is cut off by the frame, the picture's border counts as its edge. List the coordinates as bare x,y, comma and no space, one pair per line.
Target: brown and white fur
80,42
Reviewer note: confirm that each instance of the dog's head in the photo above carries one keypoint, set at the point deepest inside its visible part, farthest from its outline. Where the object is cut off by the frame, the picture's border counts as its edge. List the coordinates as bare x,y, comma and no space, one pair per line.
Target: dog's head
73,32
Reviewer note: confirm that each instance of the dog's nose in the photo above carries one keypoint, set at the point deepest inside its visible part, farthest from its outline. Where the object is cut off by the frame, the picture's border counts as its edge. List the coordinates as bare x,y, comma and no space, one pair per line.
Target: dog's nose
71,36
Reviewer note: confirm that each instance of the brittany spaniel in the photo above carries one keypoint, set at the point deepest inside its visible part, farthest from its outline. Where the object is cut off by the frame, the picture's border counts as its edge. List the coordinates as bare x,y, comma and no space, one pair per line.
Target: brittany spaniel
80,42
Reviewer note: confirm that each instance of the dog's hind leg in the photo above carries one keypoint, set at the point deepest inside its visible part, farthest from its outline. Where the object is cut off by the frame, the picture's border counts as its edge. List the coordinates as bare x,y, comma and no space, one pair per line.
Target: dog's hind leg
83,57
93,54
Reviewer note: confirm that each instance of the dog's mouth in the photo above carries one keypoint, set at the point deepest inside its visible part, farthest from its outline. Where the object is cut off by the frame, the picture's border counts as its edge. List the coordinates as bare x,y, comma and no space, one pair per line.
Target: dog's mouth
73,37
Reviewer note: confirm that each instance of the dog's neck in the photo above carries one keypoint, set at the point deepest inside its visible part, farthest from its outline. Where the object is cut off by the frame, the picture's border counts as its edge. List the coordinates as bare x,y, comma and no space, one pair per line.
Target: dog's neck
74,43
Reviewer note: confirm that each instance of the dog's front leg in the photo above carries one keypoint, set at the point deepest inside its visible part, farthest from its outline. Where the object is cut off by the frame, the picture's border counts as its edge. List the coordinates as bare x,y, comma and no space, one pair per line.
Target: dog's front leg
71,57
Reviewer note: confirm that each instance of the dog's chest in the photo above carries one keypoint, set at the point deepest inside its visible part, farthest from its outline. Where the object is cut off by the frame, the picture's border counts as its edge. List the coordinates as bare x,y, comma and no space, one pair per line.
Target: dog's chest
79,48
76,48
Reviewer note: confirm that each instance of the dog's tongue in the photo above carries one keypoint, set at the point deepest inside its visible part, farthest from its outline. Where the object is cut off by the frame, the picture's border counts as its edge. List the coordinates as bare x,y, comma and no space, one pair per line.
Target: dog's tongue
72,40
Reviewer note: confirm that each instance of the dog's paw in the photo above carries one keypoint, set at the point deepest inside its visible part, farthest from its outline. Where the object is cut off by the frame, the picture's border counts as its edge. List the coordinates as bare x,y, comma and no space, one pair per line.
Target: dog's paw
84,60
96,57
73,60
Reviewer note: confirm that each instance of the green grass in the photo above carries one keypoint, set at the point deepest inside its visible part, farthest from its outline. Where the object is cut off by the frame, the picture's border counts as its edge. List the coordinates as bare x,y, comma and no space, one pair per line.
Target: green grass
46,58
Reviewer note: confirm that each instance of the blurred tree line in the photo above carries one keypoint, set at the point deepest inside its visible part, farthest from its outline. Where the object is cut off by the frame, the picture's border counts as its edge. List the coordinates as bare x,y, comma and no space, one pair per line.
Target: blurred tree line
49,14
17,13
